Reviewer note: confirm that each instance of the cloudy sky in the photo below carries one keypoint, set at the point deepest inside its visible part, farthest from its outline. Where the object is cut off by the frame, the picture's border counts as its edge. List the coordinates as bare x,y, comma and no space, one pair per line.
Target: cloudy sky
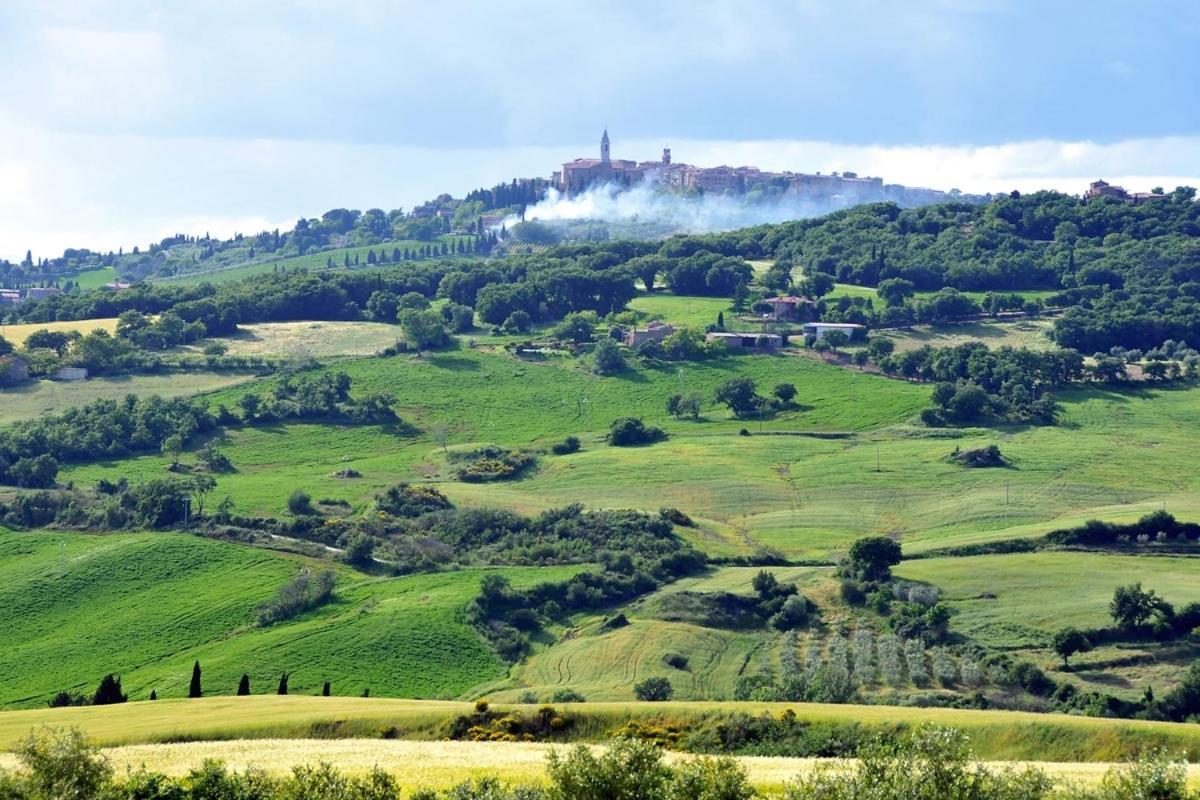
122,121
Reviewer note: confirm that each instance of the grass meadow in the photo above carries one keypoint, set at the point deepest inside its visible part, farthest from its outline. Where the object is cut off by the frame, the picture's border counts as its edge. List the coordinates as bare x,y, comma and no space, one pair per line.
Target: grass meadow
145,606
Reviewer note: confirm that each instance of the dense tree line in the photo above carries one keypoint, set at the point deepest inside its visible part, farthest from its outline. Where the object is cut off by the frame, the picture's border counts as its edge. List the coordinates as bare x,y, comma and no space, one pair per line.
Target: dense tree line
32,450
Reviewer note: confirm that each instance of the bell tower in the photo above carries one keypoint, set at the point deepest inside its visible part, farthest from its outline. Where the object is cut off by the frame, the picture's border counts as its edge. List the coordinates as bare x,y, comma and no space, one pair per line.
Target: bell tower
666,159
604,155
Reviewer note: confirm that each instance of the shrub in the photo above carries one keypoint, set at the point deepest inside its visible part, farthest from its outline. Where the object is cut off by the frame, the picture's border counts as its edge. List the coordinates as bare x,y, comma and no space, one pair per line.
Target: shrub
359,550
785,393
793,614
301,594
629,770
491,464
61,764
407,500
628,431
567,696
676,660
852,592
872,557
677,517
607,357
989,456
109,692
654,690
566,446
300,503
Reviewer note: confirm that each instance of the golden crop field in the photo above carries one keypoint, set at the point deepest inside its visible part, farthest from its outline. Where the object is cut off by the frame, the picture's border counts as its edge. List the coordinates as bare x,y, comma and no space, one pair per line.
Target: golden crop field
420,764
998,735
17,334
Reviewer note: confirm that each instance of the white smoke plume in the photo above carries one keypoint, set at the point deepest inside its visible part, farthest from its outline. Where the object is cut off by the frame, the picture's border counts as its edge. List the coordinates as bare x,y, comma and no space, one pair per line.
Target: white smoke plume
647,204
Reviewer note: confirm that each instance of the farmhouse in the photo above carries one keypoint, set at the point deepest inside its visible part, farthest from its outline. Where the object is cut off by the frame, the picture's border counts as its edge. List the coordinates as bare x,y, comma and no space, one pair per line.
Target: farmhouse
818,330
654,331
71,374
13,370
9,297
750,342
791,308
1102,188
39,292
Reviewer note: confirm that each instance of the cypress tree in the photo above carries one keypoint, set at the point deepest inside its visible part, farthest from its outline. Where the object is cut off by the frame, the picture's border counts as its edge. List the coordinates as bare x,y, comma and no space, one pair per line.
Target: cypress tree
721,320
153,694
244,685
283,683
325,690
367,692
109,692
194,686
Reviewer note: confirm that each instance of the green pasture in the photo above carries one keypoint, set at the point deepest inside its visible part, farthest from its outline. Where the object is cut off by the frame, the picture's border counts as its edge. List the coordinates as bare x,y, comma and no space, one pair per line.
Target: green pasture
94,278
807,482
75,607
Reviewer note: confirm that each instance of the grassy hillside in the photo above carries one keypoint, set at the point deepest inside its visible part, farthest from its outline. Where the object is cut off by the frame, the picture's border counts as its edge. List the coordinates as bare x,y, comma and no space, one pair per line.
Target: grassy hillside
1016,602
145,606
314,261
1115,455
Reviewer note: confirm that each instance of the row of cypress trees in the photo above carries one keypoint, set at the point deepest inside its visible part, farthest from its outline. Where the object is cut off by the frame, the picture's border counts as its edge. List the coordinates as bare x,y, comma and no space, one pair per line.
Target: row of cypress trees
243,689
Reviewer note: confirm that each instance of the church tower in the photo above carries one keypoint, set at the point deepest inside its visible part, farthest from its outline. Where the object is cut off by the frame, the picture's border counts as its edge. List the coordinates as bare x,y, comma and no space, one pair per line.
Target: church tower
666,159
604,157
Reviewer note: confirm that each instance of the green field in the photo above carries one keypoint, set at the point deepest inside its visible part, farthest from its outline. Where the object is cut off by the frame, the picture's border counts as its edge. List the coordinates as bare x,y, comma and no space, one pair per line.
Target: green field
145,606
312,262
34,399
695,312
806,495
95,278
1029,334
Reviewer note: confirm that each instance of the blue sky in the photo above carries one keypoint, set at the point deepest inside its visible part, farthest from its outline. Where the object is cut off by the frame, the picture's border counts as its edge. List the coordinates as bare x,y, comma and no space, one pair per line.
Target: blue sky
123,121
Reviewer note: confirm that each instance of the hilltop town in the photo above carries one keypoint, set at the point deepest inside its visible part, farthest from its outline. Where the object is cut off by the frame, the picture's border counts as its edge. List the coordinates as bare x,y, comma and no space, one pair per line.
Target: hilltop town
833,190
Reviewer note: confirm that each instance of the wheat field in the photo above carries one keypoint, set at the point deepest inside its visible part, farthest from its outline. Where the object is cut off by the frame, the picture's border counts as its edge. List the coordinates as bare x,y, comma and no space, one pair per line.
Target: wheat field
444,764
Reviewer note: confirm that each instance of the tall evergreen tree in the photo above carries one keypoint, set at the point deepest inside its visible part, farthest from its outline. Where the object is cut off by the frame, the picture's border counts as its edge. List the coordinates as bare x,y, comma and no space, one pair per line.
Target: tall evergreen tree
283,679
325,690
194,686
109,692
244,685
153,694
